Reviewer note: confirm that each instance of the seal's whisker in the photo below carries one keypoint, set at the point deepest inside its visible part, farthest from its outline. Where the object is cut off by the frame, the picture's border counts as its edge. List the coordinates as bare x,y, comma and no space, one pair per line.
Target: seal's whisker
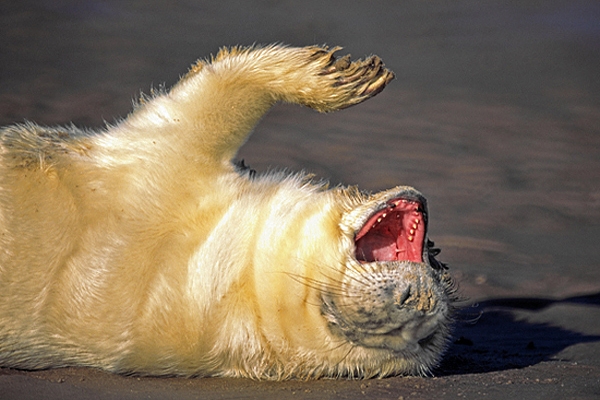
315,284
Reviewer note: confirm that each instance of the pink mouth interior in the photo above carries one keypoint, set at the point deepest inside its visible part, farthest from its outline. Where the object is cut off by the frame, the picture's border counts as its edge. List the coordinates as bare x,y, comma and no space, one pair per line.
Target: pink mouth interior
392,234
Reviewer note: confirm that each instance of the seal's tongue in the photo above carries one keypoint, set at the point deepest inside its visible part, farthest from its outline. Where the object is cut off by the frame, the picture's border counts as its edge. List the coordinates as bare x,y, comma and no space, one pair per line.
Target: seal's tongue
392,234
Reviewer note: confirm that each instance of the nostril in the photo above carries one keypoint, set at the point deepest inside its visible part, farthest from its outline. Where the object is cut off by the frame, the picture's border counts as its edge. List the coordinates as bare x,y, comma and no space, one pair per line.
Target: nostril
401,296
426,340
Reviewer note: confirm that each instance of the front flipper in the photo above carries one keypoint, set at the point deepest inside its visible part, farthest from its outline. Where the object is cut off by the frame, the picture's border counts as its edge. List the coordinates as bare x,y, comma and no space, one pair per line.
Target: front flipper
213,109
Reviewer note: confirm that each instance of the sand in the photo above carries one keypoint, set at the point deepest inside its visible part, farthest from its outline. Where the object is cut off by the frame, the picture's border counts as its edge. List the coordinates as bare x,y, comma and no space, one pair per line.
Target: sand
494,116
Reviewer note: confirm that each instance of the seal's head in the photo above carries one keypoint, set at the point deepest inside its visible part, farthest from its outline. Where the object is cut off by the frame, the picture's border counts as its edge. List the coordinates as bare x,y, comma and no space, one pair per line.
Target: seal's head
394,299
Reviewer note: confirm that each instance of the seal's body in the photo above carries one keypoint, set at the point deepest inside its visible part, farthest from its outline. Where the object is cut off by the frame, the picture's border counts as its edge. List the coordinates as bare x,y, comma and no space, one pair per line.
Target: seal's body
143,249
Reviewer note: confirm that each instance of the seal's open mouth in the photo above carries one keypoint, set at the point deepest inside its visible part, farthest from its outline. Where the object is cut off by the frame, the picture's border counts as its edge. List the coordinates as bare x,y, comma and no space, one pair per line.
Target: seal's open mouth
394,233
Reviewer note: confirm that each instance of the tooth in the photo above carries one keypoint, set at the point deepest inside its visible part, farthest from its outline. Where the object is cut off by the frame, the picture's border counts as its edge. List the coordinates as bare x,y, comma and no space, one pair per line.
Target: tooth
412,231
383,215
379,219
417,220
410,238
397,215
415,226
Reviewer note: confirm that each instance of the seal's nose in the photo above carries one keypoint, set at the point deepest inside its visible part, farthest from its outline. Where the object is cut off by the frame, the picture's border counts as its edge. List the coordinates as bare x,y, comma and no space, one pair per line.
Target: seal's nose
401,294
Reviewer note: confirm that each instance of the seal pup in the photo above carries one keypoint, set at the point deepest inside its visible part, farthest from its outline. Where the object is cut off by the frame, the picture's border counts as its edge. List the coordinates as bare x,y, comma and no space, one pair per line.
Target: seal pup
143,249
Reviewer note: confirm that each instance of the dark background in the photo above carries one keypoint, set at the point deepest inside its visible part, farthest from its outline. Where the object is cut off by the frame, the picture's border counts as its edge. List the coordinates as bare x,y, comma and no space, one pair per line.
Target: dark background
494,115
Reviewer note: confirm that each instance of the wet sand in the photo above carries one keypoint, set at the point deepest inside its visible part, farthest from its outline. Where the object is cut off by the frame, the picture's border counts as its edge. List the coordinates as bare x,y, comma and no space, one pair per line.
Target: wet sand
494,116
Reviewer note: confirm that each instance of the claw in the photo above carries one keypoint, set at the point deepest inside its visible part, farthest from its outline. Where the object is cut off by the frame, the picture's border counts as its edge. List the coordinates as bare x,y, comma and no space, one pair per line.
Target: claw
357,81
342,63
373,88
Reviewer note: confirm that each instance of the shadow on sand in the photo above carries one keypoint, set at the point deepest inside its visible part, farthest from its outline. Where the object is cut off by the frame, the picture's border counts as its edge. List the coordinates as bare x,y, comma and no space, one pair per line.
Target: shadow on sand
489,337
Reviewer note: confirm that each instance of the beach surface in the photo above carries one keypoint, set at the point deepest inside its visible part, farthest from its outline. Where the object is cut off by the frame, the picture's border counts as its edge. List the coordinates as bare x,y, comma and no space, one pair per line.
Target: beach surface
494,115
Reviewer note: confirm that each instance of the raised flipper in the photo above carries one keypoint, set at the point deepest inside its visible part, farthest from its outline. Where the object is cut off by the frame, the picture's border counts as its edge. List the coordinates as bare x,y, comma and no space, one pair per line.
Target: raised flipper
216,105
